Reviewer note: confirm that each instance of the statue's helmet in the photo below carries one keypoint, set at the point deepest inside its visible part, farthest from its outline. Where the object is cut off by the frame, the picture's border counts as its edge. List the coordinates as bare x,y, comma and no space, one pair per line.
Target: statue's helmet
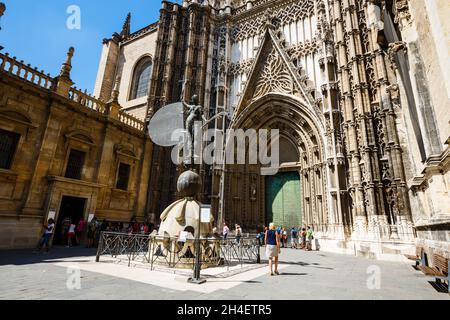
194,99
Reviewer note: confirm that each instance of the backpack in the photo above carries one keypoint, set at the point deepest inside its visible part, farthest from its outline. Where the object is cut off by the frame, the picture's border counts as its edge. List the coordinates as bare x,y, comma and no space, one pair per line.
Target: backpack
294,234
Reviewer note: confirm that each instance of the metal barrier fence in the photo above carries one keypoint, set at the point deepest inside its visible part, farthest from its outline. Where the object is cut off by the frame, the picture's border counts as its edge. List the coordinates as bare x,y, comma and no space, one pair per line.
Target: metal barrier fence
170,252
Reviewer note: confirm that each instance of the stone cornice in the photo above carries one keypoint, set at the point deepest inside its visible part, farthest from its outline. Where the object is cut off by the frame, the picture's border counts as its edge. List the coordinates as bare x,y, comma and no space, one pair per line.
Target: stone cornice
63,180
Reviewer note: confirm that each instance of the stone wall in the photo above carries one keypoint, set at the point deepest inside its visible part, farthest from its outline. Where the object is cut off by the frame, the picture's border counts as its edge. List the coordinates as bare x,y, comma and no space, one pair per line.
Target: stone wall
118,61
50,125
426,32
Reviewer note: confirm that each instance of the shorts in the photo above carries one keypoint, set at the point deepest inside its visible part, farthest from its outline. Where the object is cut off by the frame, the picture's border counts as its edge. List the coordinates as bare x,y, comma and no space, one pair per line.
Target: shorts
271,251
70,235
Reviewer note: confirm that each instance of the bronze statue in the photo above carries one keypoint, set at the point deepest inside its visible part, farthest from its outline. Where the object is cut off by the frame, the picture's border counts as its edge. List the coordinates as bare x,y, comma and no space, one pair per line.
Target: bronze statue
194,113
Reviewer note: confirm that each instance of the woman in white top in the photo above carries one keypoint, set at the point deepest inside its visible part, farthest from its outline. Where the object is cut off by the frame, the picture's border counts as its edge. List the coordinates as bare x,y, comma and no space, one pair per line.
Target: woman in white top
70,234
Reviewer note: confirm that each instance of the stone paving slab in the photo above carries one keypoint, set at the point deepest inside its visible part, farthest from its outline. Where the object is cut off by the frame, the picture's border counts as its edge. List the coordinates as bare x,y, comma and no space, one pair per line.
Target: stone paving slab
305,276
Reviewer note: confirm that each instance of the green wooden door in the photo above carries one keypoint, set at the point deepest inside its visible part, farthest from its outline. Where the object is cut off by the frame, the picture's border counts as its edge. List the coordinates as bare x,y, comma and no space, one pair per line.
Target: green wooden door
283,200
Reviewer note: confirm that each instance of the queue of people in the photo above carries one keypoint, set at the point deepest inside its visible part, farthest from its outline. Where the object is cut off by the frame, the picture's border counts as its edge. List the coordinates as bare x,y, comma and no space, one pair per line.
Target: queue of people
275,238
73,233
294,238
298,238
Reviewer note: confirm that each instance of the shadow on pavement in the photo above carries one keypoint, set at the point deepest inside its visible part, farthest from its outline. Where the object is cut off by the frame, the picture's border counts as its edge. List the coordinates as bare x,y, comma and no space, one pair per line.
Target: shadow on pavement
215,280
56,254
439,287
304,264
292,274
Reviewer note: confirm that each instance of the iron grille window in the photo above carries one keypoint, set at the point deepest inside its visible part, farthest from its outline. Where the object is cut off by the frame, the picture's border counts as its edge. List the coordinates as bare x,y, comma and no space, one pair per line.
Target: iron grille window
8,146
123,177
75,164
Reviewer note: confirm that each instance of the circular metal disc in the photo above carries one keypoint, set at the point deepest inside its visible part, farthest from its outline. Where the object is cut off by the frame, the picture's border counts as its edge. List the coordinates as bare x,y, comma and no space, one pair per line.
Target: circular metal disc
165,125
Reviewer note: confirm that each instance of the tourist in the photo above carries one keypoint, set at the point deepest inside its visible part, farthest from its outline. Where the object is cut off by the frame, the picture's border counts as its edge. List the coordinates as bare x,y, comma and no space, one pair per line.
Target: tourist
284,237
317,243
104,226
65,229
81,227
136,227
264,234
294,238
92,227
279,230
303,239
238,234
226,231
309,239
260,237
71,235
129,230
47,236
273,250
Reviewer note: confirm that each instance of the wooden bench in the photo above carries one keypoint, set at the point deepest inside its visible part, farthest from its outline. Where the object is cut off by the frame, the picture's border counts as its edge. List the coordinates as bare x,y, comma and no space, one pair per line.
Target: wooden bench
418,258
439,271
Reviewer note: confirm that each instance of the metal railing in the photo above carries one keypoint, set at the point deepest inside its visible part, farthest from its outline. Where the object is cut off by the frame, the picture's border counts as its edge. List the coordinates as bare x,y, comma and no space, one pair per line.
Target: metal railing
172,253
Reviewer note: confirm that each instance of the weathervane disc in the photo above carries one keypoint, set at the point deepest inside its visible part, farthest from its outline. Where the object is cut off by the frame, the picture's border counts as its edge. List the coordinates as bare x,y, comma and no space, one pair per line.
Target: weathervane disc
165,123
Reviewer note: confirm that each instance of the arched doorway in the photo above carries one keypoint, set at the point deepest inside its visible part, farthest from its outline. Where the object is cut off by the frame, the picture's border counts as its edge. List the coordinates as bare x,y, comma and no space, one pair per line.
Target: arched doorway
283,200
297,194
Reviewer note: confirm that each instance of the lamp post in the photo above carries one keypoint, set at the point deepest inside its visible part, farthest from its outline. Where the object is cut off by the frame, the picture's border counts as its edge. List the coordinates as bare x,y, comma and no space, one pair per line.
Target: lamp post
196,279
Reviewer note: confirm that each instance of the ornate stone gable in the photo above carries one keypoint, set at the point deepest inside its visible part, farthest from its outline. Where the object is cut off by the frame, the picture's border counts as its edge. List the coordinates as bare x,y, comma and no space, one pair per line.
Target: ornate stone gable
274,72
275,77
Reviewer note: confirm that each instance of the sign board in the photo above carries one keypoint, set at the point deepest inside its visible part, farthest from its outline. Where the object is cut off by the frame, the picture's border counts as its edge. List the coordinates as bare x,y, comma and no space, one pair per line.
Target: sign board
205,214
183,236
51,215
91,217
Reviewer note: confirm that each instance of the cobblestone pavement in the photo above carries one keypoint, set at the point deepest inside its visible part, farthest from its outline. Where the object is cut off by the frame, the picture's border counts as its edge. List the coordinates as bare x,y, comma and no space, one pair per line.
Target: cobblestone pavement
304,276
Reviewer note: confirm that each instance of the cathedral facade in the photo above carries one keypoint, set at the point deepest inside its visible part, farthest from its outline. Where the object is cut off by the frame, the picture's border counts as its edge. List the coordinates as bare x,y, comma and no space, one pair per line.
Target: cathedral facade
359,90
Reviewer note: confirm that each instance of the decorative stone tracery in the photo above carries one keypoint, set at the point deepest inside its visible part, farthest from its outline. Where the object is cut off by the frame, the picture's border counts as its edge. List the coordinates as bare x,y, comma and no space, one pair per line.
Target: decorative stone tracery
274,77
254,26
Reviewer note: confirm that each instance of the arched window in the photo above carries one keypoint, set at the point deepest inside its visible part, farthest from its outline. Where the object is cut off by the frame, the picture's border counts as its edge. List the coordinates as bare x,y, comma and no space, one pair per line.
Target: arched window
141,79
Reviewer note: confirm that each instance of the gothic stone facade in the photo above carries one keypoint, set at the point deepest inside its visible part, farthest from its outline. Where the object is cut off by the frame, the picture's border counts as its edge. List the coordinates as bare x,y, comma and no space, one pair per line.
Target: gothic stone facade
358,88
62,152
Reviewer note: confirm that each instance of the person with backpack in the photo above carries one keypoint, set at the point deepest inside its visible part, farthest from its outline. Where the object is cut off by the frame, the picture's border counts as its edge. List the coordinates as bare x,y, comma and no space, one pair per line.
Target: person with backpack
294,238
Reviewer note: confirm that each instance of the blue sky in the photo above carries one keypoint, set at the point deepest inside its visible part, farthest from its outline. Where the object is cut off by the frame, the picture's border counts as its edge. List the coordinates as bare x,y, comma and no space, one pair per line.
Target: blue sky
36,32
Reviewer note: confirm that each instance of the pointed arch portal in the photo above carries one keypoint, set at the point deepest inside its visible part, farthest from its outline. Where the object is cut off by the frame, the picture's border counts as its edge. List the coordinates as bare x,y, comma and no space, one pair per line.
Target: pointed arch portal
297,194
